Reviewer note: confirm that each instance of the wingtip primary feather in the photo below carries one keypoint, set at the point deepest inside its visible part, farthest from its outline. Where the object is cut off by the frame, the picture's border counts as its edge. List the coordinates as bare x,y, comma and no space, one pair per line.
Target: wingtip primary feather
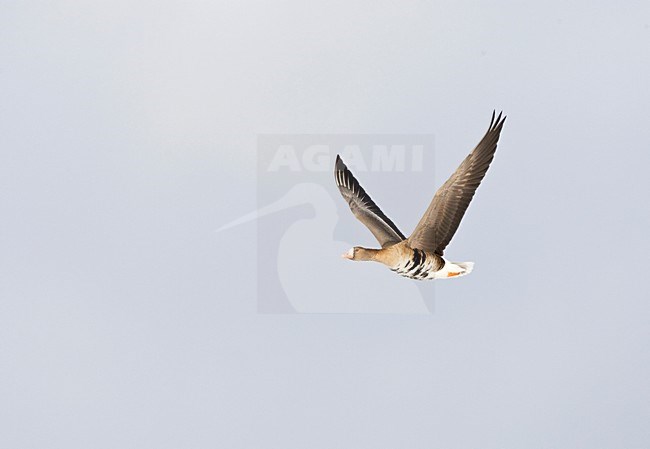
343,176
339,171
497,121
339,165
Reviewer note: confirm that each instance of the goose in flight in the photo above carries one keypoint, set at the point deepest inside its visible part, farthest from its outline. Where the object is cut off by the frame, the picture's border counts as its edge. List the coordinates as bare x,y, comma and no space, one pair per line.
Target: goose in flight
420,256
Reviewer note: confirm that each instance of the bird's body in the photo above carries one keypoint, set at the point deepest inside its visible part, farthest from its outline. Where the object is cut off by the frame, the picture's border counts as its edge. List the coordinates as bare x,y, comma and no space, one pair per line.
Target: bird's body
412,263
422,265
420,256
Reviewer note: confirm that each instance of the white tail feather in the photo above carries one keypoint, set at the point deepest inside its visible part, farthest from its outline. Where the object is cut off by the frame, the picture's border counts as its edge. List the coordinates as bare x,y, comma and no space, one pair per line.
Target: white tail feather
455,270
466,266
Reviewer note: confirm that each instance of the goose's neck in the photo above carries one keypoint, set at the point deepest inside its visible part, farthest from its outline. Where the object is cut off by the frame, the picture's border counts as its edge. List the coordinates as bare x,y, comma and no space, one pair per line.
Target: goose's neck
366,254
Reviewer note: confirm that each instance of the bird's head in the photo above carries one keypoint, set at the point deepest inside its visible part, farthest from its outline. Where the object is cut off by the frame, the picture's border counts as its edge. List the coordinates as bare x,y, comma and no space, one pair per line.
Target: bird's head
349,254
359,253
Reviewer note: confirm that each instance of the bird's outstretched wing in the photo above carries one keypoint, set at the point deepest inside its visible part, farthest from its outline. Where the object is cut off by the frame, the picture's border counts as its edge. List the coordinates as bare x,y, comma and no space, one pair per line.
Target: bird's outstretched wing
364,208
439,223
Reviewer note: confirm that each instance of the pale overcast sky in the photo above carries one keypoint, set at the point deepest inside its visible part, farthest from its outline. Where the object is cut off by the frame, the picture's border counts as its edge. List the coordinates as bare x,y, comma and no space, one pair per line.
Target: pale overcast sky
128,135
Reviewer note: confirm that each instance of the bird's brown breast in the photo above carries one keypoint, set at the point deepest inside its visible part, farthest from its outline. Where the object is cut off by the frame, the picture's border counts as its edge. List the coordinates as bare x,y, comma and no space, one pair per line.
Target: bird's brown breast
410,262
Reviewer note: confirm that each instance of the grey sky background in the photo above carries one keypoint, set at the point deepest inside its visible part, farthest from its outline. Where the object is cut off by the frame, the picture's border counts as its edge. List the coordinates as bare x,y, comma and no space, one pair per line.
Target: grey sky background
127,136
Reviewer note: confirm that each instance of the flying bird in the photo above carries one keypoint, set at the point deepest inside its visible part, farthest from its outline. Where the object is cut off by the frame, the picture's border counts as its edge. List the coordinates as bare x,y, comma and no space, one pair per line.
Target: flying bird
420,256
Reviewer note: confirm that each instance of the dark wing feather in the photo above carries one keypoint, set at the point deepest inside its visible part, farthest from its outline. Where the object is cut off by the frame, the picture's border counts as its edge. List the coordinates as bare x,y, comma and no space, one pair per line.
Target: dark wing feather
364,208
441,220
